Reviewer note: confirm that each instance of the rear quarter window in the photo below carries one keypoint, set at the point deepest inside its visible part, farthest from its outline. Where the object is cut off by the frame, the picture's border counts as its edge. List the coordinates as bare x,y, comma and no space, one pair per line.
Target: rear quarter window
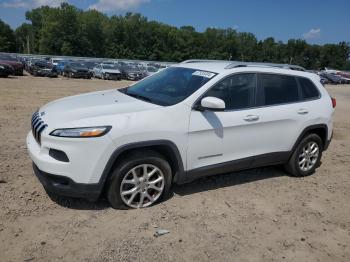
308,89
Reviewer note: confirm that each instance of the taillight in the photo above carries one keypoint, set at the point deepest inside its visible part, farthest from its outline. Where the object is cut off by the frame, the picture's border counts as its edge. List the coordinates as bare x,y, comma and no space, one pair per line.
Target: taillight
334,102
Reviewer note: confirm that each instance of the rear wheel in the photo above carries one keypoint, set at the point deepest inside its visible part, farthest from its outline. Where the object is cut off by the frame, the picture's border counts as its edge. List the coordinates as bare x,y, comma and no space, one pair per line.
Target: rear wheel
306,157
140,180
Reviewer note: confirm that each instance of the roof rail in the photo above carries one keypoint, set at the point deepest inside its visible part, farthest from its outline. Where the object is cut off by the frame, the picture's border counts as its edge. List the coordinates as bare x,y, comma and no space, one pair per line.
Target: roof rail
202,61
236,64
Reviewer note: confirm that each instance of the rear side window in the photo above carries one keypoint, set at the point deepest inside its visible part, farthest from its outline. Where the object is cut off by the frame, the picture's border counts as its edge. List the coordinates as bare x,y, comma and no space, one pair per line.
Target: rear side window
308,89
277,89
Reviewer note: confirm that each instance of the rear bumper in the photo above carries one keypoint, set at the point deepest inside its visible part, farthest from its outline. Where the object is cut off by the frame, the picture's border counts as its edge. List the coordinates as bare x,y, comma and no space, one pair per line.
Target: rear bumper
326,145
65,186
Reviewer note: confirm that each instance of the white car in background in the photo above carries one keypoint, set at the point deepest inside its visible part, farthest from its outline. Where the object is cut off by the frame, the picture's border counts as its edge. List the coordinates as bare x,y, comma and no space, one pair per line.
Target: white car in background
193,119
107,71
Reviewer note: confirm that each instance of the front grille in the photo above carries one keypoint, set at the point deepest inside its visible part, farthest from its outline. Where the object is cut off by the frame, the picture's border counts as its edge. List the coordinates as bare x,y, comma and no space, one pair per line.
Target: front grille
38,127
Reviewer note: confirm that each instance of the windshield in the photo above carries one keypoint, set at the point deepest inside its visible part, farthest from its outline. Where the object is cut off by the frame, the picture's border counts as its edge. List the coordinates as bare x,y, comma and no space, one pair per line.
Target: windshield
151,69
109,67
169,86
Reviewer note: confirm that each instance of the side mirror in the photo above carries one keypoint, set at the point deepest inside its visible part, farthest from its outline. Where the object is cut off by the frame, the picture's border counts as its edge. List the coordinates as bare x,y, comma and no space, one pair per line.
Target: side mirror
212,103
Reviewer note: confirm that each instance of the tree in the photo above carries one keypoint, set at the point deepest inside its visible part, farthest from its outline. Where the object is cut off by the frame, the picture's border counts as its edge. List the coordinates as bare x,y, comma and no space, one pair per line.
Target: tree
25,38
7,38
67,30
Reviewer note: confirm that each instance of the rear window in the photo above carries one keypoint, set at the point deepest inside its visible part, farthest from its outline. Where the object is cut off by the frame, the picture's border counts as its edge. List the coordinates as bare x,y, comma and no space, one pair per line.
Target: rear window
308,89
277,89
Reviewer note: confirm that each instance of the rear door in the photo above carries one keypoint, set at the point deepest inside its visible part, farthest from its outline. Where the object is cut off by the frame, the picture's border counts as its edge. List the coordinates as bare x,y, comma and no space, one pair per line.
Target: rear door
282,114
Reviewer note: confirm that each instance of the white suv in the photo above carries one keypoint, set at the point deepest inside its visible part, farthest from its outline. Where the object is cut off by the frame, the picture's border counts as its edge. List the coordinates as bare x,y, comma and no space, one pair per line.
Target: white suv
194,119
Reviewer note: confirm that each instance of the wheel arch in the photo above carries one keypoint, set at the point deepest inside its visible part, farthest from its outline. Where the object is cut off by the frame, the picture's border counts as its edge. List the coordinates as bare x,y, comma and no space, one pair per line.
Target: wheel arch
165,147
320,129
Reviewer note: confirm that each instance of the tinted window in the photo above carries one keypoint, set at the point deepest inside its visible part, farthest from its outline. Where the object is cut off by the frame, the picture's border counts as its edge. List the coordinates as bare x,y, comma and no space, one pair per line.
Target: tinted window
277,89
237,91
170,86
308,89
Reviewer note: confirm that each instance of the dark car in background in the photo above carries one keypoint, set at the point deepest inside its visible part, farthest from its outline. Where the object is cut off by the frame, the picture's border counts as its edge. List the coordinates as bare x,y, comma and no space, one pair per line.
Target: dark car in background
90,65
6,70
332,78
43,68
13,62
131,72
76,70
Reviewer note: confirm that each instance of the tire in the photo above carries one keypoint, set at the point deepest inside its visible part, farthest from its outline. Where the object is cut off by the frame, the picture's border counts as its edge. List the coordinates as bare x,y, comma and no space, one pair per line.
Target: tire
299,168
123,173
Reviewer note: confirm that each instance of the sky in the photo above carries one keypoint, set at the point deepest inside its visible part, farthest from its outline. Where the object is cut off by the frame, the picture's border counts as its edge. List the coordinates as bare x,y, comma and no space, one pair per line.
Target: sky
317,22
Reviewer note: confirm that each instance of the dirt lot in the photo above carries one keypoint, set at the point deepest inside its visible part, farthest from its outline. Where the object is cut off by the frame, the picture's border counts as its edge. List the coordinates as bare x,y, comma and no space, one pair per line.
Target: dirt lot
255,215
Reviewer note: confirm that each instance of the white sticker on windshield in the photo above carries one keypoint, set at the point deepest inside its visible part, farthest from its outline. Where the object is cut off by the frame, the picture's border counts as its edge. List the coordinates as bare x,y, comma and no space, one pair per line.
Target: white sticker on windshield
203,74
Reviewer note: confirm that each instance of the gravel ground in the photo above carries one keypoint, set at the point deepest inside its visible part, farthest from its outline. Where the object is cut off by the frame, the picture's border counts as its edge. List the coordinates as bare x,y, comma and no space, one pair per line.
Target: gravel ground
255,215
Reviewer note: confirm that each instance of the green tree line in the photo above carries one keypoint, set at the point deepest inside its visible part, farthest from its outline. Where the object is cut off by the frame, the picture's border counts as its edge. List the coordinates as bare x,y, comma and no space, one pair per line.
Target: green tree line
67,30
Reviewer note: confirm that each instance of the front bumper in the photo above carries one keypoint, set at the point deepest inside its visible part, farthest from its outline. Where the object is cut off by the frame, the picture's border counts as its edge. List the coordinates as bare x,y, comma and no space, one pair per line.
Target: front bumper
65,186
81,175
110,76
47,73
80,75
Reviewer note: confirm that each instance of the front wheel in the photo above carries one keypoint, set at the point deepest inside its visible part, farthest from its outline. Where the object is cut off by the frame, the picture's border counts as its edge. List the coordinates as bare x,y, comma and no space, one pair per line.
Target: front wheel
140,180
306,157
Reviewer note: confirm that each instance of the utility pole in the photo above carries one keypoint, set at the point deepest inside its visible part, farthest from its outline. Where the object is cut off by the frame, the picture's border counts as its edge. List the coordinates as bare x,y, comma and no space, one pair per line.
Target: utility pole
28,47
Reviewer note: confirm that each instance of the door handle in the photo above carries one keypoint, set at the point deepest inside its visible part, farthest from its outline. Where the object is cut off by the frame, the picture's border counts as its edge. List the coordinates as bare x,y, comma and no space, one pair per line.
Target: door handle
303,111
251,118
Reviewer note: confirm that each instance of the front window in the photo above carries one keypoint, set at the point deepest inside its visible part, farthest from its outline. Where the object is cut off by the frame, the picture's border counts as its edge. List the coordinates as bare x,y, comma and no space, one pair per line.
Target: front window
169,86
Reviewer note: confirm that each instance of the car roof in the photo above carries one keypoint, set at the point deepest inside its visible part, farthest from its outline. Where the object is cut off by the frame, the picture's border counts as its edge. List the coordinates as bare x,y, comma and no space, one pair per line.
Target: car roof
226,67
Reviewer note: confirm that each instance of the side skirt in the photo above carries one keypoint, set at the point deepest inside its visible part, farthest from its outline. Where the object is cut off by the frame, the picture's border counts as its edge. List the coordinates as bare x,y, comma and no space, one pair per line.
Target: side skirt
276,158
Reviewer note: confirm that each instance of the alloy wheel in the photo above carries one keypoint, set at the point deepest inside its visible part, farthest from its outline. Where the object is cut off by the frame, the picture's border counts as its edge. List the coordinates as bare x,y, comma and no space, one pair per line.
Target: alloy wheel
308,156
142,186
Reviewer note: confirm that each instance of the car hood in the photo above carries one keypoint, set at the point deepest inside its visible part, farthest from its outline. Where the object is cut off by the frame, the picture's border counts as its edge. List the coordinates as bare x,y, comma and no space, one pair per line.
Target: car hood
111,71
14,64
75,110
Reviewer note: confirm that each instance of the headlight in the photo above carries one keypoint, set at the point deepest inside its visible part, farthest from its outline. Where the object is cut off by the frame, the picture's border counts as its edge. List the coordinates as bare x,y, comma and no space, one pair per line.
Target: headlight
2,67
95,131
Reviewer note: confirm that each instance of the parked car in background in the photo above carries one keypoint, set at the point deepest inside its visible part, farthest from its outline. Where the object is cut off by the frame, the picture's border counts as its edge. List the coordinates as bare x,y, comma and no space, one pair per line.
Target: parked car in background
324,80
131,72
107,72
90,65
76,70
345,76
13,62
60,66
332,78
150,70
6,70
43,68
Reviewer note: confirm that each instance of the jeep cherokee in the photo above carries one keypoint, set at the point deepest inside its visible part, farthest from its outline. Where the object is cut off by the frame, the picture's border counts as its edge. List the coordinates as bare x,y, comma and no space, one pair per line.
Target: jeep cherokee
193,119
